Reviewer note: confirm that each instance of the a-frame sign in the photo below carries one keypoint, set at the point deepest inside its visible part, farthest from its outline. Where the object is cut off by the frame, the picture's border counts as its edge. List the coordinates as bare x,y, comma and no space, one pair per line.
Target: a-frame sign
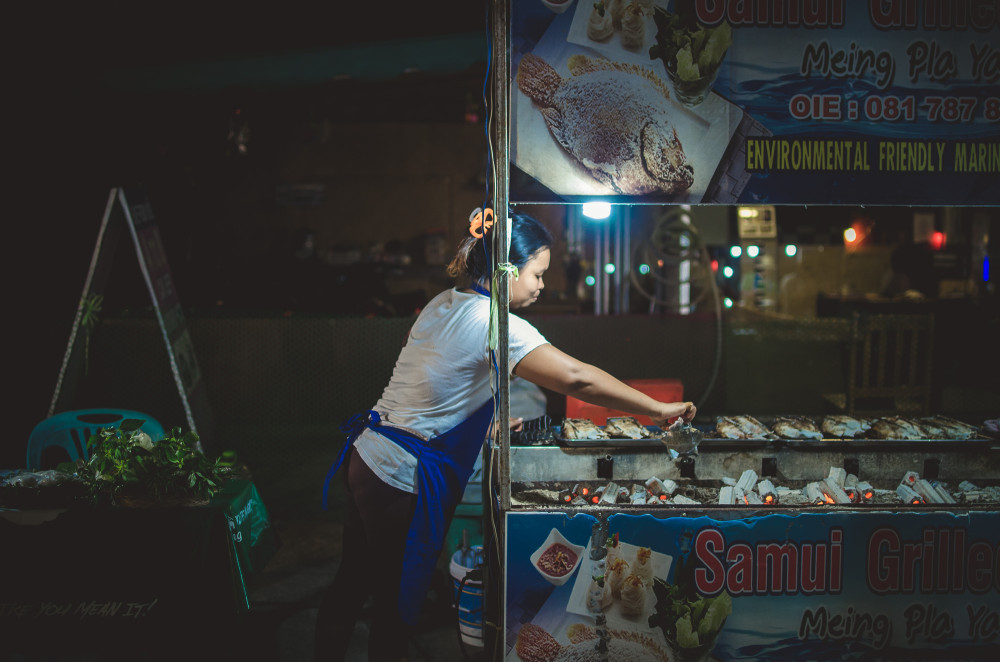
130,207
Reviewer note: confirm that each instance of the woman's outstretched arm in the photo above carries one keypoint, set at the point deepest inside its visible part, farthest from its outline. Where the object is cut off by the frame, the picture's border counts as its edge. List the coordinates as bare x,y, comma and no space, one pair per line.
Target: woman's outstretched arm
557,371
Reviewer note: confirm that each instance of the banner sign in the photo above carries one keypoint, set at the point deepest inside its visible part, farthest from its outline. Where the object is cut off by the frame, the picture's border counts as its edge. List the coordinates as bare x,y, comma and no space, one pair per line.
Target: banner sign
893,102
131,208
799,586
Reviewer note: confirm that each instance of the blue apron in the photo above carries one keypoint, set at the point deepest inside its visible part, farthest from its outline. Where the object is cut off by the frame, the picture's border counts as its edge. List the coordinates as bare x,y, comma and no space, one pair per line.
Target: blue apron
444,465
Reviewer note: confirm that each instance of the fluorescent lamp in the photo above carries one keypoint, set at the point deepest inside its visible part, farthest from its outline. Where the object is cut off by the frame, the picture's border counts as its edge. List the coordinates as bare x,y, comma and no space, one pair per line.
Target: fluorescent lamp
597,210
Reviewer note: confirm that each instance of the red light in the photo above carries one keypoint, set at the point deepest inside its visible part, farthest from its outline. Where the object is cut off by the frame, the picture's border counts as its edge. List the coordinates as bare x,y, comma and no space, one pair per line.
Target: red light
869,495
715,265
585,491
858,233
937,240
769,499
663,497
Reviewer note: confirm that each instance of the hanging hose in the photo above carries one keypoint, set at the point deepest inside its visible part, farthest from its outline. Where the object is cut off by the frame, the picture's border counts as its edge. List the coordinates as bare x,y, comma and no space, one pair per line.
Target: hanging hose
669,246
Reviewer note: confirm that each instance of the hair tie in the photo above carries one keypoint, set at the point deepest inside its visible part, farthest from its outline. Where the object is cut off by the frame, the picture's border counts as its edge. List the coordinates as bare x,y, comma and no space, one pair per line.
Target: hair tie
480,221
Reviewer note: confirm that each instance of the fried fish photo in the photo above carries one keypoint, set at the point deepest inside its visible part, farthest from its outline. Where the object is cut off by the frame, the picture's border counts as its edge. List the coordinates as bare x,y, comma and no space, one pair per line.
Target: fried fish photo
613,118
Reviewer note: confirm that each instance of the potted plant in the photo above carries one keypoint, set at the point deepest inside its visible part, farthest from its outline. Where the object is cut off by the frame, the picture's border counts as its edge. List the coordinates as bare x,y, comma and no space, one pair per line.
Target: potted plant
126,467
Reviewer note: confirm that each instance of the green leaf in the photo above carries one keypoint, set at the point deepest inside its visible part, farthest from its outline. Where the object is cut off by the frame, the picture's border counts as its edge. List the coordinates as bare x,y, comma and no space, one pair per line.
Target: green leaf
122,457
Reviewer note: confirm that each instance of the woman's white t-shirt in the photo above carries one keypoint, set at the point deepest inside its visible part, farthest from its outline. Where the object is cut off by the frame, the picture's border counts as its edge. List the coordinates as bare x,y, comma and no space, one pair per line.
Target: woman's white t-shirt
442,375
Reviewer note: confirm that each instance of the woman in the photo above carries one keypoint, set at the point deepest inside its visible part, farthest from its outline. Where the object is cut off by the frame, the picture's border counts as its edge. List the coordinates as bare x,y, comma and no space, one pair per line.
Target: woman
414,451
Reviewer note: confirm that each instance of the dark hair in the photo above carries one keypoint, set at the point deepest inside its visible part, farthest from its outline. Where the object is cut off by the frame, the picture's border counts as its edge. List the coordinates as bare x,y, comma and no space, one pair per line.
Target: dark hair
475,261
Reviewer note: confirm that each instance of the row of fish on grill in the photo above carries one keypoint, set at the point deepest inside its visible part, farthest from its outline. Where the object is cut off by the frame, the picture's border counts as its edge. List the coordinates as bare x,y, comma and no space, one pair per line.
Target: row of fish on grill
616,427
845,427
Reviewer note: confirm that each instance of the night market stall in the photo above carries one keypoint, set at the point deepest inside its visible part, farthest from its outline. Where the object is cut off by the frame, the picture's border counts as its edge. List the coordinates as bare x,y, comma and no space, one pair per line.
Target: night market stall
756,535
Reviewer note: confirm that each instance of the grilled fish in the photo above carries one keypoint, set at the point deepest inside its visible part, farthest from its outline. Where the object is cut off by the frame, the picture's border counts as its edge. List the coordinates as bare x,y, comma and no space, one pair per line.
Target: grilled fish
841,426
897,427
796,427
942,427
741,427
582,428
626,427
611,117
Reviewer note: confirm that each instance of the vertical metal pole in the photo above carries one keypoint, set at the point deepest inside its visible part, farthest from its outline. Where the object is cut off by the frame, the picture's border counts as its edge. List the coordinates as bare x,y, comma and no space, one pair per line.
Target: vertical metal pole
495,604
616,259
598,272
501,164
625,263
605,259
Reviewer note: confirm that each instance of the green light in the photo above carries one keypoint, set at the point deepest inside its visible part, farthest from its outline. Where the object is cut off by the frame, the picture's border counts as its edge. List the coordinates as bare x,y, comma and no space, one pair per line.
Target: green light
736,251
727,271
590,280
791,250
727,302
643,269
609,268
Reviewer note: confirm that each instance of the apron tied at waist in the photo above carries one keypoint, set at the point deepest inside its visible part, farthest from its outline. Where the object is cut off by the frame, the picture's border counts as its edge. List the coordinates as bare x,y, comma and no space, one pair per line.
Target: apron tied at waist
444,464
352,427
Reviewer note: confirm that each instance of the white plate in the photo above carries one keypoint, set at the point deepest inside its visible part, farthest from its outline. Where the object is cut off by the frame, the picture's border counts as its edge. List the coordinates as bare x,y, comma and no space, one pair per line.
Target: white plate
704,131
578,598
556,537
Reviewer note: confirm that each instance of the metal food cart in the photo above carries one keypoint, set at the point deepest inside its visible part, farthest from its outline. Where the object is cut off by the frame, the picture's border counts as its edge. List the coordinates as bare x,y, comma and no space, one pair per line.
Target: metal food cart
759,548
796,568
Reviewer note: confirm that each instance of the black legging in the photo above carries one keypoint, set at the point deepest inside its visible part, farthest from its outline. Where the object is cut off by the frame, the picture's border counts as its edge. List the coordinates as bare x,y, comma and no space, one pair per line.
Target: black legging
376,520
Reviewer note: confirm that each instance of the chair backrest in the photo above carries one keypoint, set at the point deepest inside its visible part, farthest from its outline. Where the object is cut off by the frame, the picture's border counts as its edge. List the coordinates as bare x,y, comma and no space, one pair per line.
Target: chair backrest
890,364
70,430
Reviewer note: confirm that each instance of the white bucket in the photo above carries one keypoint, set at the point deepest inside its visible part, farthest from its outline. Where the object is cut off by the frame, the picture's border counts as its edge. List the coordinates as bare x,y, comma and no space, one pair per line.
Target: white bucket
468,595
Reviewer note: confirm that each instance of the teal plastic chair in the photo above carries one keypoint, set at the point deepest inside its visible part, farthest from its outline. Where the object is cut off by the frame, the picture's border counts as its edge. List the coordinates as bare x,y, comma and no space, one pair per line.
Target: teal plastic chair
70,430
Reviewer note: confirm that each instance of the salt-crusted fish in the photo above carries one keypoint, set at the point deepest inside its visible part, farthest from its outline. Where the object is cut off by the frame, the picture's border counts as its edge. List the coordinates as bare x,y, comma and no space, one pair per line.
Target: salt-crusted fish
727,428
897,427
626,427
796,427
841,426
742,427
581,428
613,118
943,427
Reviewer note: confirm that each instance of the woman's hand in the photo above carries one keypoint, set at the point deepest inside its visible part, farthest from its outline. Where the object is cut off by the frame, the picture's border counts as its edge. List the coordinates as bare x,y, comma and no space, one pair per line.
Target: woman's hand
515,426
669,410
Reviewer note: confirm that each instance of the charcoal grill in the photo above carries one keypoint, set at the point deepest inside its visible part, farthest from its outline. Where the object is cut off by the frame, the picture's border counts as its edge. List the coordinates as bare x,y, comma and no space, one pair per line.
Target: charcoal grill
899,573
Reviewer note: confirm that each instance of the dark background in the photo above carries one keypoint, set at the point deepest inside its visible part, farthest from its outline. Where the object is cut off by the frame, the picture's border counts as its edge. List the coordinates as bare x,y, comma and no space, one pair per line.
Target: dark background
107,94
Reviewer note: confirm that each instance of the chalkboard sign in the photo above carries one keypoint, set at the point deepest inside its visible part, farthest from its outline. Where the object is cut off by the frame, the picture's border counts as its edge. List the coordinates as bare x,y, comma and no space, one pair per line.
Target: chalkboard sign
130,207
